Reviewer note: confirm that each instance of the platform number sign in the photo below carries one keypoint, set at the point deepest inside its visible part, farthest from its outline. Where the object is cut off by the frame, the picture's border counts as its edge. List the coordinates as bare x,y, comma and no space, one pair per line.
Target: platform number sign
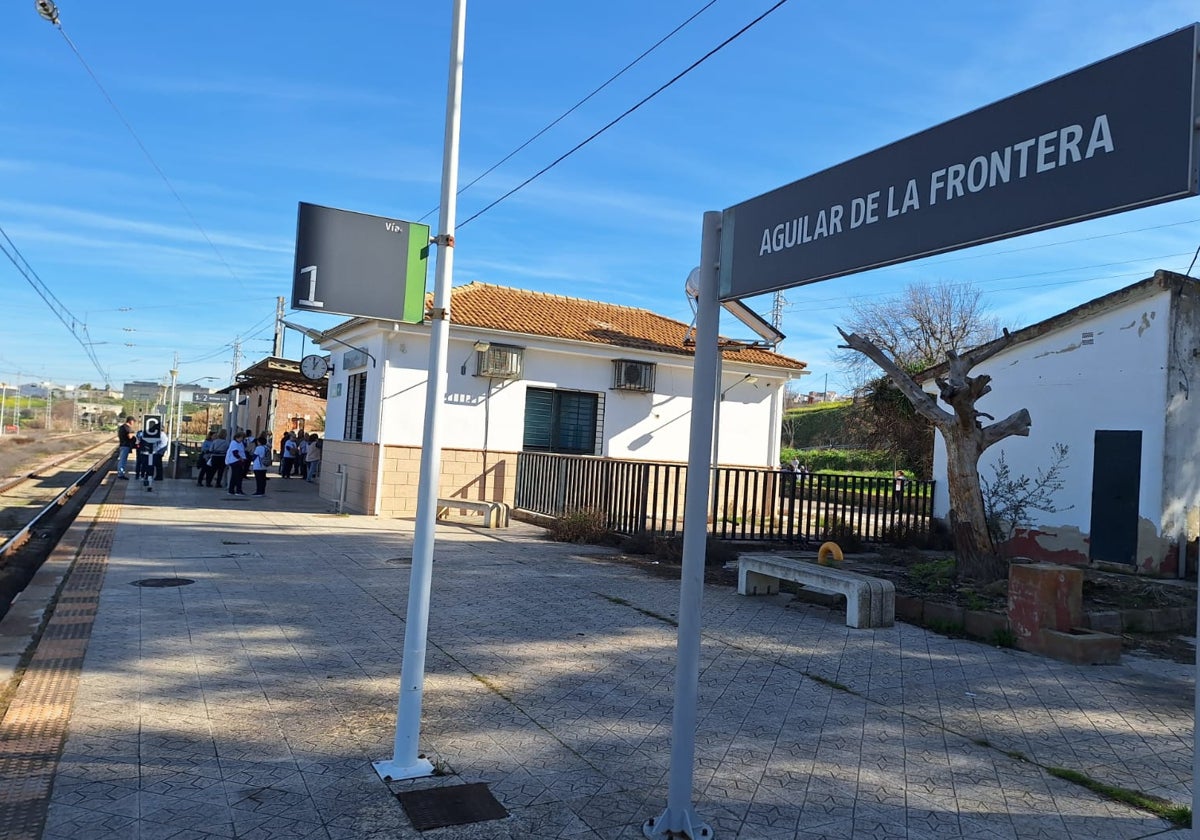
351,263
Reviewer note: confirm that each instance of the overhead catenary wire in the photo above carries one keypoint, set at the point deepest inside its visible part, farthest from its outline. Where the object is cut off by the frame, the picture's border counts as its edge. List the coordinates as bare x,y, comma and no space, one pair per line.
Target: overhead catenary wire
48,10
76,327
577,105
626,113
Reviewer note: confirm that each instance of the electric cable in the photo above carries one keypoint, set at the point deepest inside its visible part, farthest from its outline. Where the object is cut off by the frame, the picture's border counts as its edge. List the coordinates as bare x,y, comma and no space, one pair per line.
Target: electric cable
576,106
59,309
622,116
48,10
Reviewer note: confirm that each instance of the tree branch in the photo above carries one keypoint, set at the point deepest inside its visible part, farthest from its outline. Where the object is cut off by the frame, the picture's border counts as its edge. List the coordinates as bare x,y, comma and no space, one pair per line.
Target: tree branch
1017,423
923,403
974,357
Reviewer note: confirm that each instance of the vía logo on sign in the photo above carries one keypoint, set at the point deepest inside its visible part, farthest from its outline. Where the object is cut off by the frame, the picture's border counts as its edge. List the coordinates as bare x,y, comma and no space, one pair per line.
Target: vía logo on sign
393,227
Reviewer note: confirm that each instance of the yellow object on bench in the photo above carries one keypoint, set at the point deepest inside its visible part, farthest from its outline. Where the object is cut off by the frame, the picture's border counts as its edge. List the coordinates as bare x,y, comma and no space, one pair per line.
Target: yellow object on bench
827,549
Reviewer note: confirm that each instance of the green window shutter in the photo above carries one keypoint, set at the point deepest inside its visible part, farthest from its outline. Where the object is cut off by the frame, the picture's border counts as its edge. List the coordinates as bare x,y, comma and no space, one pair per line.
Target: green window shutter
576,426
539,419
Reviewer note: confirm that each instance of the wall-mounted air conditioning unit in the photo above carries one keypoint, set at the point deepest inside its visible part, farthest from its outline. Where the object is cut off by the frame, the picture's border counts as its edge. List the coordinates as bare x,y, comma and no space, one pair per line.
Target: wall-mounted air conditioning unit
629,375
500,361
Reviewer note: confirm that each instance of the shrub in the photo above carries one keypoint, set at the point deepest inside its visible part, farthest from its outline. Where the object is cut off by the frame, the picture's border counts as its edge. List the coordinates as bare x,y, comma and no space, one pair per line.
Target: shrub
585,525
838,530
1005,638
841,460
933,575
642,542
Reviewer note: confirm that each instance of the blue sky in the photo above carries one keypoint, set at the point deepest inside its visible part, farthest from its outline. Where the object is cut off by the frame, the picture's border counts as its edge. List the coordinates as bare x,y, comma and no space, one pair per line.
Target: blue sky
249,109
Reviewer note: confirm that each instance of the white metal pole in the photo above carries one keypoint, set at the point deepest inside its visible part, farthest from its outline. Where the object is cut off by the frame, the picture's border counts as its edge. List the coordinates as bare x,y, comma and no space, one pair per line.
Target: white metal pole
680,820
407,762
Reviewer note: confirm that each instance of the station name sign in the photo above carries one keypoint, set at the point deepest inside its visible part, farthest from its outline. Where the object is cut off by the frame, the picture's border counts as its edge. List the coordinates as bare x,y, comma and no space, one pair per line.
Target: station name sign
1112,136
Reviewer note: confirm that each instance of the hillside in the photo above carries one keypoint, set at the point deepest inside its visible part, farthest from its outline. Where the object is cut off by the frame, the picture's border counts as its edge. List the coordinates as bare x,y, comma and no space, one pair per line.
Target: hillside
822,424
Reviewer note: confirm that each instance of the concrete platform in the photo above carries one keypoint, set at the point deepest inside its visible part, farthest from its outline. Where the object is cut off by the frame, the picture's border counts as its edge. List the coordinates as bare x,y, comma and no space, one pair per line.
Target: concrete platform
250,703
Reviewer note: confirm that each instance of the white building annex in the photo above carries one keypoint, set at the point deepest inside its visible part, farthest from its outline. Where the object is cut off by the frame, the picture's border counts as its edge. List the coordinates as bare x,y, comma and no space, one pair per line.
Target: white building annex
529,371
1117,380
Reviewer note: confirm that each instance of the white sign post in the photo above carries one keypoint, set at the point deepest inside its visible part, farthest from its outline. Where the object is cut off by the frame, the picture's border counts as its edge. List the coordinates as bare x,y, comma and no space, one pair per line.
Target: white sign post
680,819
407,761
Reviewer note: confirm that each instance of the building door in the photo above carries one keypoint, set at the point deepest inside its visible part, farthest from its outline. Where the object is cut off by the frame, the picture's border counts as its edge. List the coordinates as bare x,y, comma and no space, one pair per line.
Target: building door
1116,483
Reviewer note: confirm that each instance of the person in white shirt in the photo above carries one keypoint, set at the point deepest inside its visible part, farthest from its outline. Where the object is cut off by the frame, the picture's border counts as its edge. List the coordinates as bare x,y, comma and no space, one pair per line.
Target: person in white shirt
235,459
262,456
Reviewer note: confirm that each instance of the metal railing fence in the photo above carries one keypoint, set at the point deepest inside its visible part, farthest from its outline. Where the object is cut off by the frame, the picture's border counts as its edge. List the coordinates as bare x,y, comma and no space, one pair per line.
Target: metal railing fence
745,503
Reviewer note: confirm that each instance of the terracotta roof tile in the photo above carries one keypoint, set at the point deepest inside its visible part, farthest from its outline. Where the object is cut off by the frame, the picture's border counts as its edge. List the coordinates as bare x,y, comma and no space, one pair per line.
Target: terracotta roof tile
555,316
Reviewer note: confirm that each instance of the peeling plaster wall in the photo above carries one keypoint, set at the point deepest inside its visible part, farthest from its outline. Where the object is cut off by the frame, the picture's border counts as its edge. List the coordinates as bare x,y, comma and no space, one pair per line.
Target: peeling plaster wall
1181,461
1073,384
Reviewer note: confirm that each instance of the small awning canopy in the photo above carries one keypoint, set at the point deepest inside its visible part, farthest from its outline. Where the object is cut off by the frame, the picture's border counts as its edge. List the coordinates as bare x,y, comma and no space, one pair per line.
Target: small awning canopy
282,373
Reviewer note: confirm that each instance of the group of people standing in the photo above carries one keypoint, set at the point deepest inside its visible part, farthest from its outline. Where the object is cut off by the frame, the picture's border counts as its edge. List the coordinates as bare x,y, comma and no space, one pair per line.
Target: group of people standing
246,454
300,455
239,456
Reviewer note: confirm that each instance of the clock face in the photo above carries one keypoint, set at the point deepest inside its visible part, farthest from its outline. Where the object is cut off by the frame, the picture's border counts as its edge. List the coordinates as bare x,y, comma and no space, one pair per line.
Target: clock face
314,367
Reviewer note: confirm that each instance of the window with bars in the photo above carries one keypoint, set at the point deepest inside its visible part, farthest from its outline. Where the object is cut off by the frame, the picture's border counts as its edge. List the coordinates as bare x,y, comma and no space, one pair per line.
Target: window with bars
356,406
566,422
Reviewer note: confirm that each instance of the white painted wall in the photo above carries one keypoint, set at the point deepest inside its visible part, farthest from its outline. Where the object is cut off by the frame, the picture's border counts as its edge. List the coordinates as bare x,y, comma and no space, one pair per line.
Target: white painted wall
1071,390
637,425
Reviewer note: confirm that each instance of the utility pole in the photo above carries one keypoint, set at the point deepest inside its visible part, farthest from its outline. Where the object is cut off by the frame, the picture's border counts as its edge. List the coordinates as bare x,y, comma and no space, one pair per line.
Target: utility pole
273,393
777,305
237,360
173,394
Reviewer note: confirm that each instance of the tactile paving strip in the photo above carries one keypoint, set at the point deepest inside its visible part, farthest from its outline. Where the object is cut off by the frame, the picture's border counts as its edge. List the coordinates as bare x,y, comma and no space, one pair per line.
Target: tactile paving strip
35,726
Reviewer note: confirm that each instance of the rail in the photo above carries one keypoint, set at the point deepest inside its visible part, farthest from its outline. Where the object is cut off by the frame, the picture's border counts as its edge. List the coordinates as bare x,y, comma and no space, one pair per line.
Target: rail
17,540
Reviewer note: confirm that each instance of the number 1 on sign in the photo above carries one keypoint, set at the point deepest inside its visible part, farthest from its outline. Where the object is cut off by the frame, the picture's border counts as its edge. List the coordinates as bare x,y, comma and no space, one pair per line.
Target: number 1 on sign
311,271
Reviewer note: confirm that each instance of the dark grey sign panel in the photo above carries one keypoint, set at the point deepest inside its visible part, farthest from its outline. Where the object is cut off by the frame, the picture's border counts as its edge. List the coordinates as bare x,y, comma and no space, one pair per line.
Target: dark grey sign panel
1113,136
208,398
354,264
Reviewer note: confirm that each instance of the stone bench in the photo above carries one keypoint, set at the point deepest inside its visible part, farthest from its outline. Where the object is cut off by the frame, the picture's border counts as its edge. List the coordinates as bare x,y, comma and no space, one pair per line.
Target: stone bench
495,514
870,602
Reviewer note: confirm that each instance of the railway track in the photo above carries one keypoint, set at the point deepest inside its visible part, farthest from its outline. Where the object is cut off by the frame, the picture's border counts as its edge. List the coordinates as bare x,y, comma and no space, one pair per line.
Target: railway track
36,509
31,497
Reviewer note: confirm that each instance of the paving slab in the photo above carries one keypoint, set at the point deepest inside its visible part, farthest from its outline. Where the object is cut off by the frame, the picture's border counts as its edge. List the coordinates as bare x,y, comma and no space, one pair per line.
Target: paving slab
252,701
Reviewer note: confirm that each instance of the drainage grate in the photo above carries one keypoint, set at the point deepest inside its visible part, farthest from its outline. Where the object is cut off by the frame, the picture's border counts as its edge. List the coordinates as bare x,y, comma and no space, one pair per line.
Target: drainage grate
399,561
456,805
159,583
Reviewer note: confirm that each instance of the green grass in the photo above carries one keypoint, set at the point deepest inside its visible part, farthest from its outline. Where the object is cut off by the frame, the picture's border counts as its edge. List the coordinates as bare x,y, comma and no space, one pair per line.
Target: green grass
666,619
1179,815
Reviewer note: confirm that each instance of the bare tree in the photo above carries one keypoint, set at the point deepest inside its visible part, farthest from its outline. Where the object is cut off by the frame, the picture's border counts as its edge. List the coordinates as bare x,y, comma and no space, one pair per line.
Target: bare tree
966,440
883,418
918,327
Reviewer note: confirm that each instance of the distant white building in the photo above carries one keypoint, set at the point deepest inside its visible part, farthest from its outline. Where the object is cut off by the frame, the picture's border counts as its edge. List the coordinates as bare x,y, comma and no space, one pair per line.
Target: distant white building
536,372
1112,380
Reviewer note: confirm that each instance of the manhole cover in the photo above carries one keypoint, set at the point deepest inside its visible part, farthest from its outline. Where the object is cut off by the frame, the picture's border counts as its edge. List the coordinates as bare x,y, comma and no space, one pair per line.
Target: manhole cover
456,805
159,583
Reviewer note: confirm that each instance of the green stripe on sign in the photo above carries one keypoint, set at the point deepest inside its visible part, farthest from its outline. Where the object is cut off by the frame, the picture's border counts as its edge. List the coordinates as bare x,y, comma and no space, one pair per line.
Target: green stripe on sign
416,276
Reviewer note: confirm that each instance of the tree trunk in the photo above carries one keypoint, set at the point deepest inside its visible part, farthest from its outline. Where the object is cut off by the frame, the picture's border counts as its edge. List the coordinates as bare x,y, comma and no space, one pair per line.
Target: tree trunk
977,558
